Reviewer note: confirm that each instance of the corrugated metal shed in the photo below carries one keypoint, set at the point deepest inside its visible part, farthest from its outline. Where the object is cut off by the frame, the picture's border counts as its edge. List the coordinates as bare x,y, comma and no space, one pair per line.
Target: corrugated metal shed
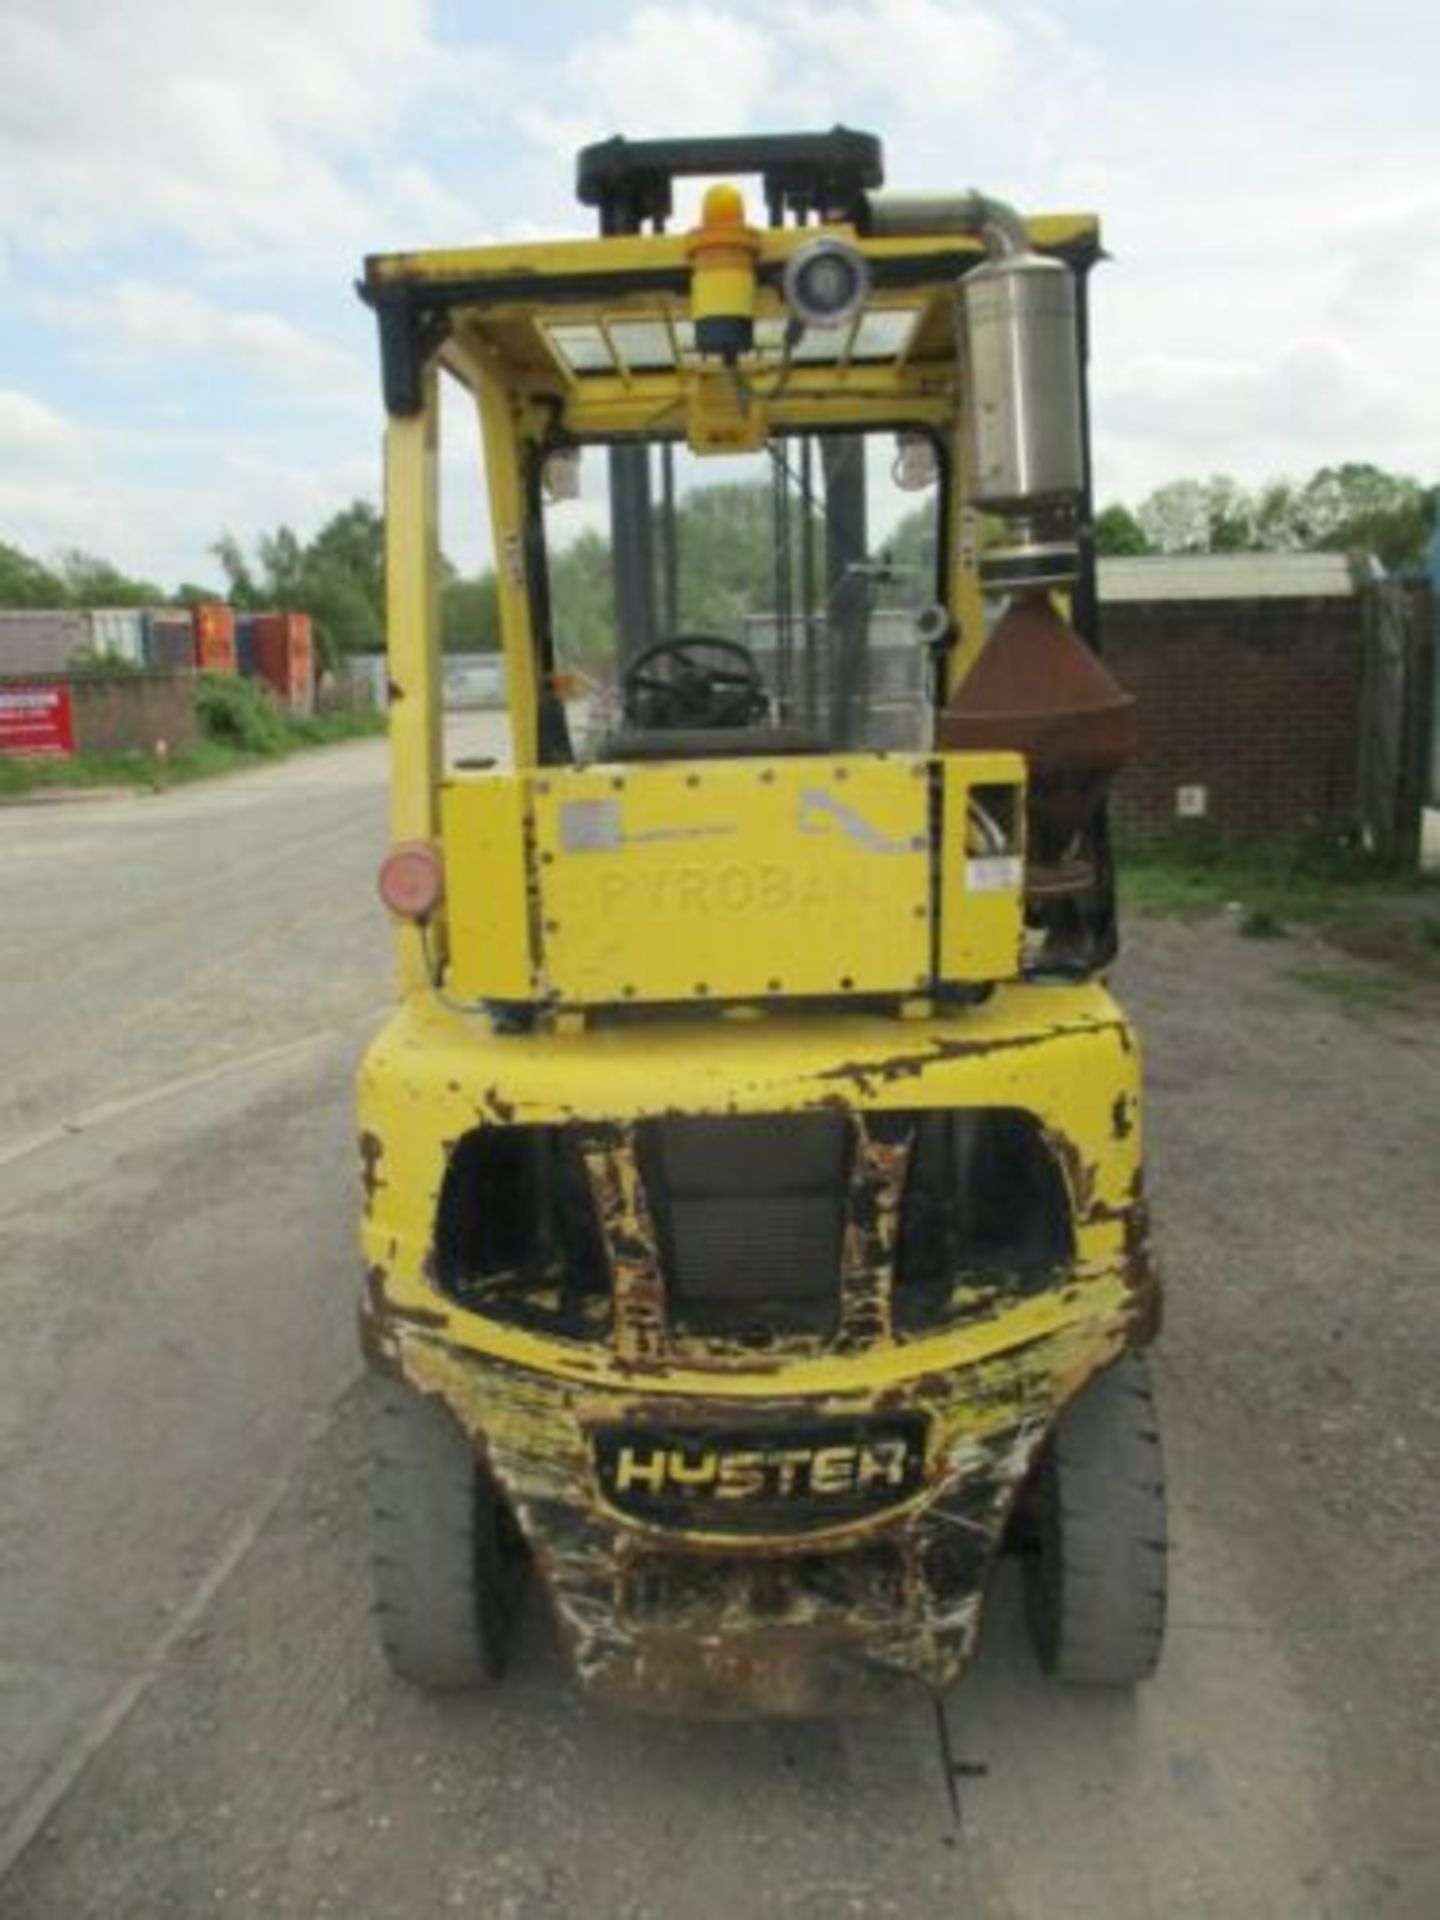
1228,576
120,631
366,673
170,639
41,640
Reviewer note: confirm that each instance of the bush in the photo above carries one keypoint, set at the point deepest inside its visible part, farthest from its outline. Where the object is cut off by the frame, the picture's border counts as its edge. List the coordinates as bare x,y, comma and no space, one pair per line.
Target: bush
102,663
237,713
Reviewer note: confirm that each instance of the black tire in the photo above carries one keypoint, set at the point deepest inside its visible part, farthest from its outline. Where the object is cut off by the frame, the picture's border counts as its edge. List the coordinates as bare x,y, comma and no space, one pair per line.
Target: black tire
1095,1535
448,1558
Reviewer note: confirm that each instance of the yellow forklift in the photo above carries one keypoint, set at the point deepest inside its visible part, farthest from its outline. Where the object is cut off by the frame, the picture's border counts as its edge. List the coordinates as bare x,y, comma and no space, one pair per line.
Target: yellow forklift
754,1237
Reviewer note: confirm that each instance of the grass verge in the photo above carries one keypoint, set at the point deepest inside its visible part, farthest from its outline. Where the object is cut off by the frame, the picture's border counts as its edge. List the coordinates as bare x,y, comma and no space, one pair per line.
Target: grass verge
240,728
1368,908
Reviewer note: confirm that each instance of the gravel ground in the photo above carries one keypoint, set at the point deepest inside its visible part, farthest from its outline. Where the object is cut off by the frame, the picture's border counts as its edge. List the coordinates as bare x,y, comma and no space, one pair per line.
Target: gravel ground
258,1759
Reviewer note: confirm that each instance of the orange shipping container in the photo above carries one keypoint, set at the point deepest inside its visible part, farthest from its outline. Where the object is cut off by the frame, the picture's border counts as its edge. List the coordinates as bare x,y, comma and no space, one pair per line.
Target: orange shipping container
214,637
285,654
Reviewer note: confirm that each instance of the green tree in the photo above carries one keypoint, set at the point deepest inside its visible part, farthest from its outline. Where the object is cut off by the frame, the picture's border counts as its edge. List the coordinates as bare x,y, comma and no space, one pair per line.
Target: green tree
1230,517
243,590
1351,508
912,550
725,537
1199,516
582,607
88,581
353,543
1277,528
1358,508
470,614
25,582
337,578
282,566
1117,531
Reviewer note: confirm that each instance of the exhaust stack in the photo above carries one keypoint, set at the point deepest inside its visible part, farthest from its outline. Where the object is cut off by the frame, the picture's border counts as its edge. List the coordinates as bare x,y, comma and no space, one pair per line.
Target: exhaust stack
1016,321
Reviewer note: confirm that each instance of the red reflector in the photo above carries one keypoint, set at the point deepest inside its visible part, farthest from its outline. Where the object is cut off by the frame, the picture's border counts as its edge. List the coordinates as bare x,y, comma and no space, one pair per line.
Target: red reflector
412,880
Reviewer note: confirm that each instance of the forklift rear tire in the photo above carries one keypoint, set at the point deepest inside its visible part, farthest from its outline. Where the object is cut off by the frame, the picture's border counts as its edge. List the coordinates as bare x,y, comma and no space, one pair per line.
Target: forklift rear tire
448,1557
1095,1566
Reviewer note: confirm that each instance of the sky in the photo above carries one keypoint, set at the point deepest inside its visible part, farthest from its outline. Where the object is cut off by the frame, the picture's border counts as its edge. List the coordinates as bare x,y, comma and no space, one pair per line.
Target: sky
188,187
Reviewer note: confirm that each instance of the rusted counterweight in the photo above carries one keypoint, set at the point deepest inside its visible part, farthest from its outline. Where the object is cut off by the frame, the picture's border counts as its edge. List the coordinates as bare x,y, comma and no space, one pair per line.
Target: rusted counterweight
1037,689
791,1599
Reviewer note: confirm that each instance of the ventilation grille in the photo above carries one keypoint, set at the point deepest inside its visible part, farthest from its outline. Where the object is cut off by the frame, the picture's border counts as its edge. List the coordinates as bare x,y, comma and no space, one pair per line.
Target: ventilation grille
750,1212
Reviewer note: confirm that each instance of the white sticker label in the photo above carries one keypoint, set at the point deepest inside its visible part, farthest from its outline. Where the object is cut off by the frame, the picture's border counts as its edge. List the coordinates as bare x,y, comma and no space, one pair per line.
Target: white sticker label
996,873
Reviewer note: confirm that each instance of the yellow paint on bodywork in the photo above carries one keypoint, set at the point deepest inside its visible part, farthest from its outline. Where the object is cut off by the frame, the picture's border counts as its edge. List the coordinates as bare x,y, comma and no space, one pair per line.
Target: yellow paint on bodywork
487,895
727,879
500,430
1063,1054
981,878
412,588
564,260
633,884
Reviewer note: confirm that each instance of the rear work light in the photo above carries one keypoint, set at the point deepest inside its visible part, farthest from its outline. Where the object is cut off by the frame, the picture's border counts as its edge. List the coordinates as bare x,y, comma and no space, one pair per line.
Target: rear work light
412,880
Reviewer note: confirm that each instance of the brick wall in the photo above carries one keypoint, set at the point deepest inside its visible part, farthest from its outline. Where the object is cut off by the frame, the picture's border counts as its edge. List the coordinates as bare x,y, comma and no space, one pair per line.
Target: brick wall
1254,700
134,711
129,712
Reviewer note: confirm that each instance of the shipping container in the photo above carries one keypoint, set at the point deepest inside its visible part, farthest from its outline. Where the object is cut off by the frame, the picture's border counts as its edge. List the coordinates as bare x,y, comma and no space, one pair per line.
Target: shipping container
169,640
119,632
214,637
286,654
247,647
365,680
473,680
41,640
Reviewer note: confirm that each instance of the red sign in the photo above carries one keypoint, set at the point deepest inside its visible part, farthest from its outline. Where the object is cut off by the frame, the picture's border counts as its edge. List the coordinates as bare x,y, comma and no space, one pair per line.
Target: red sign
36,720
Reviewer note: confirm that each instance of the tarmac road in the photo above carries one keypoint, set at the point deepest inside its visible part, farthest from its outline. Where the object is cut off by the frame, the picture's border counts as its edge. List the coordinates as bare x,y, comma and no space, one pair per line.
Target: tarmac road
193,1715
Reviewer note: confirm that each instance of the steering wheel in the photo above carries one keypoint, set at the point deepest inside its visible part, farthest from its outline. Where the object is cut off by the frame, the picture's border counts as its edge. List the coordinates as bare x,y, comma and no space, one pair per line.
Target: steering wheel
672,684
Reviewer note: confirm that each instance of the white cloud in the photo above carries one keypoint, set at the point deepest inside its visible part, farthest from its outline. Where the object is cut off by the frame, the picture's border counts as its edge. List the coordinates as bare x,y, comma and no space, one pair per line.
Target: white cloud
925,58
170,172
232,126
36,441
1314,401
904,67
142,318
66,483
689,68
163,530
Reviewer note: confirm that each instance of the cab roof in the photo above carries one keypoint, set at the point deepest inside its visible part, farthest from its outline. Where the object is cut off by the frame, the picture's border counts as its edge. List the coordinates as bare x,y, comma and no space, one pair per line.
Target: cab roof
602,326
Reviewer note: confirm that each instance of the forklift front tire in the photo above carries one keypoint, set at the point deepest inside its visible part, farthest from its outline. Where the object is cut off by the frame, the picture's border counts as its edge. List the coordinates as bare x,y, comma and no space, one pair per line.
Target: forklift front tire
1095,1535
448,1557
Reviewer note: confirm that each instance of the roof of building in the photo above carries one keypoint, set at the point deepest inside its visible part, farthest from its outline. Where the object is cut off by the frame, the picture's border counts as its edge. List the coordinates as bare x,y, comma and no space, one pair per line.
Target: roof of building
1228,576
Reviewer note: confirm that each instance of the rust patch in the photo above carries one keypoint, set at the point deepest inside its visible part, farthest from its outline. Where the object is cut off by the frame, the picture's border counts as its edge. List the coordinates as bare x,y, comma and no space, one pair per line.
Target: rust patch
372,1152
496,1107
773,1626
1142,1276
1079,1174
380,1307
631,1247
866,1075
880,1160
377,1337
1122,1117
